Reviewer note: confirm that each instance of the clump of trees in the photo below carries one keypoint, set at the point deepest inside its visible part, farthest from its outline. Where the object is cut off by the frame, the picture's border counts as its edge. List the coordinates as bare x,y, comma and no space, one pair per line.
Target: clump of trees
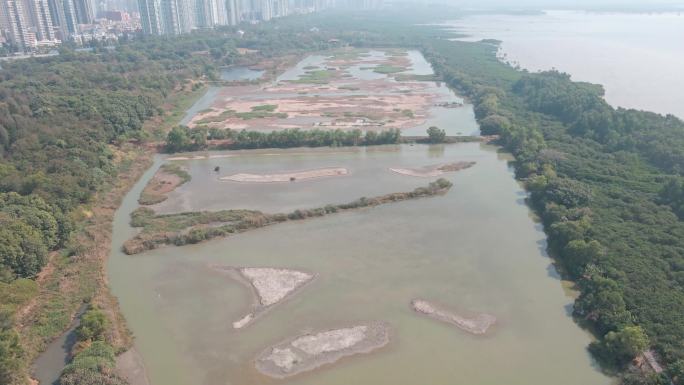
436,135
182,138
93,365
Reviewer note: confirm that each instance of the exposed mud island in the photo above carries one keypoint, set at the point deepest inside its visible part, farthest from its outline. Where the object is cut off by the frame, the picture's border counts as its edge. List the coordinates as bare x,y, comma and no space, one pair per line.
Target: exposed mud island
311,351
434,170
166,179
479,324
270,285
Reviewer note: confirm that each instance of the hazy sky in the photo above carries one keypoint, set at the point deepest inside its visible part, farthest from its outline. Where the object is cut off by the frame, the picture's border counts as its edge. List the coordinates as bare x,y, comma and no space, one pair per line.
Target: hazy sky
567,3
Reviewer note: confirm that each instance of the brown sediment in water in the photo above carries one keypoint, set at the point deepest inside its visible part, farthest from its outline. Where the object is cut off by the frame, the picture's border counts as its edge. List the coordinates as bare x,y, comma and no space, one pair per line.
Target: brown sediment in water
287,176
130,366
479,324
434,170
313,350
271,286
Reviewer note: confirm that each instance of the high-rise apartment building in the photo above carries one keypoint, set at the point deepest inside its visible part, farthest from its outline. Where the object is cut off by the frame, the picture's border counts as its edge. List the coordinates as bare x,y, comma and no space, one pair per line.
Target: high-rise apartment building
41,20
14,24
84,11
170,23
150,16
173,17
233,10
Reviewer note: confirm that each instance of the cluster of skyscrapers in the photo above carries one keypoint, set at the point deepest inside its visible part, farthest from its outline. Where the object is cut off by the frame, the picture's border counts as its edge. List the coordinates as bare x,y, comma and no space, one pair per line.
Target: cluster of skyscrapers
30,24
169,17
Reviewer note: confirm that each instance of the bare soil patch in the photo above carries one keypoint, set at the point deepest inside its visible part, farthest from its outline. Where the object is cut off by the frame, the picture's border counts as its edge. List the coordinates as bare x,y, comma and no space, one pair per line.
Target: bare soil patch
165,180
331,96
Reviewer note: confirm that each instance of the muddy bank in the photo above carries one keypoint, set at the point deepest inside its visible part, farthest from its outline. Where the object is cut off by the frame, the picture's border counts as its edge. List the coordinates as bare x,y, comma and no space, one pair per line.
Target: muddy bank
311,351
166,179
287,176
270,285
130,366
479,324
434,170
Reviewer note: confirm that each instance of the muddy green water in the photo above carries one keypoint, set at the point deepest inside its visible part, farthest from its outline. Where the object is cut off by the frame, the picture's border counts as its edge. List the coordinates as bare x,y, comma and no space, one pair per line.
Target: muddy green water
475,248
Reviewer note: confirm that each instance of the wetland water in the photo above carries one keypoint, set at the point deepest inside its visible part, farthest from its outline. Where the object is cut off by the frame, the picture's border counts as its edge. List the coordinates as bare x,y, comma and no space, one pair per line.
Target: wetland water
637,57
474,249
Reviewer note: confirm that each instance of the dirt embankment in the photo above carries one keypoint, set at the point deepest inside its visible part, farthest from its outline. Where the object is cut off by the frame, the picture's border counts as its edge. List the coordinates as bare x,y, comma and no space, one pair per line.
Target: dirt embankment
311,351
194,227
434,170
166,179
270,285
287,176
479,324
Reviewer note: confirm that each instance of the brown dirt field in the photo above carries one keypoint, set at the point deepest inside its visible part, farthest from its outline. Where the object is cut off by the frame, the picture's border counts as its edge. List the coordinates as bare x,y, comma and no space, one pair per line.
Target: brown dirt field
161,184
341,102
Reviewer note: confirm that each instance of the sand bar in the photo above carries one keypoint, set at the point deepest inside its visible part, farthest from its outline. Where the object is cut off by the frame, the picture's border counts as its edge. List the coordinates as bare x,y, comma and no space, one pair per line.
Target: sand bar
287,176
311,351
270,285
434,170
479,324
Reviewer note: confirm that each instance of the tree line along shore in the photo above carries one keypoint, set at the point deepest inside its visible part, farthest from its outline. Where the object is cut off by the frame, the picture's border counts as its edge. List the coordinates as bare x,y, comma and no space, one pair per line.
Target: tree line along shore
606,182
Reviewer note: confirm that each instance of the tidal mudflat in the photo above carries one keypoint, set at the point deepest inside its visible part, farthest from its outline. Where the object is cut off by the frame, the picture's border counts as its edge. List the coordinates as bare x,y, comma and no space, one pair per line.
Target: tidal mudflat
342,89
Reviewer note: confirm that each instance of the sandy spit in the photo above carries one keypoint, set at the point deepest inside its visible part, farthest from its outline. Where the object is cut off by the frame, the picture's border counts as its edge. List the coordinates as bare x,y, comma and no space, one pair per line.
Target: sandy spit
478,324
311,351
287,176
270,286
434,170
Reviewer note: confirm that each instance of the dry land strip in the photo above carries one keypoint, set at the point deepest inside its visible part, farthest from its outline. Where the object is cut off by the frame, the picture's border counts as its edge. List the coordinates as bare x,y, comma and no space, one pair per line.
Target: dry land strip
166,179
193,227
479,324
434,170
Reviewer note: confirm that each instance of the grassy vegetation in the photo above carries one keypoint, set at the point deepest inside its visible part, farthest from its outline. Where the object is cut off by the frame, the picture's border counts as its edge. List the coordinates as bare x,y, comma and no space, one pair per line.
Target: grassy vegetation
257,112
349,88
315,77
178,104
387,69
411,77
195,227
